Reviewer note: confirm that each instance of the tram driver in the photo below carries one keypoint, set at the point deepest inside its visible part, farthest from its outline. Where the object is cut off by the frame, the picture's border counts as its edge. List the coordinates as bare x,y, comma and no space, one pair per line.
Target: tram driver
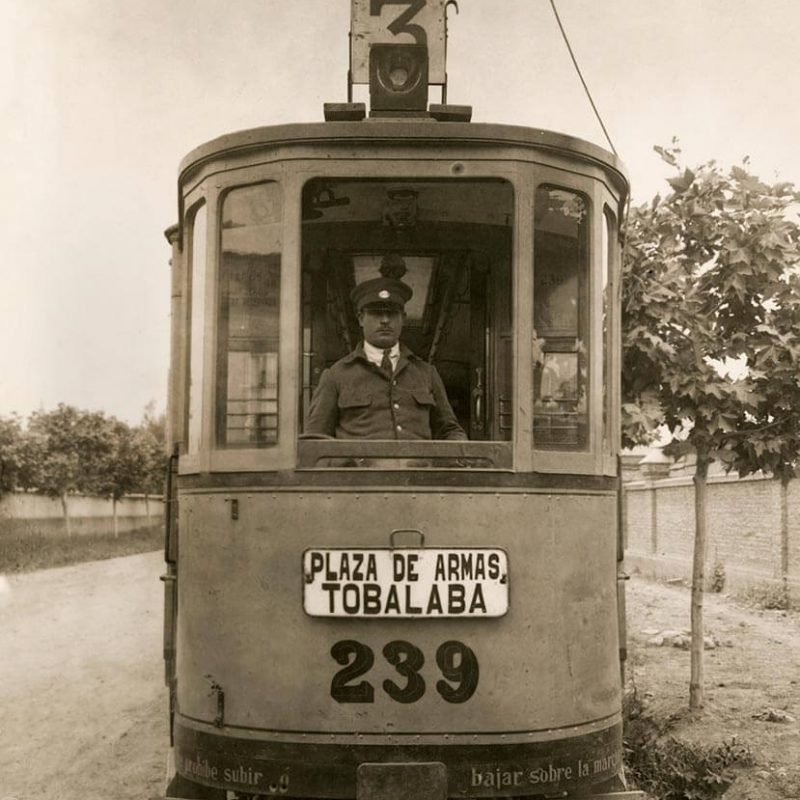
382,390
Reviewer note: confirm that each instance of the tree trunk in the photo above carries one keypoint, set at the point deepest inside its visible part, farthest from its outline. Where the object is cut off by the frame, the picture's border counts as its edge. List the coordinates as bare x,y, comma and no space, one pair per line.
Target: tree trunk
696,691
785,533
65,512
116,520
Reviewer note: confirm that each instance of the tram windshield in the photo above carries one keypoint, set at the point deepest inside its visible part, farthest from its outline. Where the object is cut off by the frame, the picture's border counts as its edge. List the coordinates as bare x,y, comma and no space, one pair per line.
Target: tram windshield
450,243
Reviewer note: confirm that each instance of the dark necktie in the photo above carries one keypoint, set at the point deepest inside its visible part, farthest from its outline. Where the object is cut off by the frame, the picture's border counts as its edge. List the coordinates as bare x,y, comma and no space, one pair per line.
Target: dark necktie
386,362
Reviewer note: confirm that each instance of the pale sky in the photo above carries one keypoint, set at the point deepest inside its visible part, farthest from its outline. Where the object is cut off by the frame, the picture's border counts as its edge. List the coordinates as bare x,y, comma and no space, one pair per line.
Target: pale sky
100,100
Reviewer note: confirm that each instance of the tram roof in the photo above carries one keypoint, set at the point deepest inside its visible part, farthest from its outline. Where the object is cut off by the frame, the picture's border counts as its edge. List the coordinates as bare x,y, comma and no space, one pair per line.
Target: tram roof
402,131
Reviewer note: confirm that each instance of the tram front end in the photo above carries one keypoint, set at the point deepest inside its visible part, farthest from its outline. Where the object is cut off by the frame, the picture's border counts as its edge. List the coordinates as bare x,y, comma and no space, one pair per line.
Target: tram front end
371,606
348,614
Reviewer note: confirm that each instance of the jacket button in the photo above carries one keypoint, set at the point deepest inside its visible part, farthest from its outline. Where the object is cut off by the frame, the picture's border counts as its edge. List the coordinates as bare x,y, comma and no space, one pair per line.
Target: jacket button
396,405
399,427
394,383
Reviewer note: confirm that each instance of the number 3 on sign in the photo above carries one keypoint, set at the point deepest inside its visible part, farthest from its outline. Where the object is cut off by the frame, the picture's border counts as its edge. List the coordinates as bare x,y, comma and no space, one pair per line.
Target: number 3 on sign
401,24
419,22
455,660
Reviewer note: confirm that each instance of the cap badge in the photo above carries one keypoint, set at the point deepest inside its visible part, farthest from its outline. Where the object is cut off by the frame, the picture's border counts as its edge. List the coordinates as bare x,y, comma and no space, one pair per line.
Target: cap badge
383,294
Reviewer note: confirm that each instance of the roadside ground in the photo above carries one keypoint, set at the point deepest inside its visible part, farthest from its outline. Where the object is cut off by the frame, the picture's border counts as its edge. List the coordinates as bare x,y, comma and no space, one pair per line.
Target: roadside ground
752,680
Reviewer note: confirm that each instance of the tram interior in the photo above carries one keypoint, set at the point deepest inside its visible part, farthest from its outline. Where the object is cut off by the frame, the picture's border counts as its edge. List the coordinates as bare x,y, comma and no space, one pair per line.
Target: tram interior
450,241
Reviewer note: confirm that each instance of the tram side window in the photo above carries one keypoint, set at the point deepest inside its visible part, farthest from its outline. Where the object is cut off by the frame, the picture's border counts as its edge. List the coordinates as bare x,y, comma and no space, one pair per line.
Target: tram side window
249,317
561,317
197,292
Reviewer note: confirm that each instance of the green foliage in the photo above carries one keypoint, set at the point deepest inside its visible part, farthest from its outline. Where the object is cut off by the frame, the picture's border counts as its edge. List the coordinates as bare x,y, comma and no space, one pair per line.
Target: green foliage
70,450
15,462
712,276
718,577
671,769
150,438
771,596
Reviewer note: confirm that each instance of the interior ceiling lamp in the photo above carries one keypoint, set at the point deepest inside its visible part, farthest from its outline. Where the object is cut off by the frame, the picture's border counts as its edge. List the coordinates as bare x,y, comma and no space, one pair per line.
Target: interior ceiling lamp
398,78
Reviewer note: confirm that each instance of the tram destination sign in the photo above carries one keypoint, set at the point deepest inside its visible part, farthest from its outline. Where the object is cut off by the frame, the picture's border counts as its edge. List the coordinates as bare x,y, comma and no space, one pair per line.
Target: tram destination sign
405,583
397,22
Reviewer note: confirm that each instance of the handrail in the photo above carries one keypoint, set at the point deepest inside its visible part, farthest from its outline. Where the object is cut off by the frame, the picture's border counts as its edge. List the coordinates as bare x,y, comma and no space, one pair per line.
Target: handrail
408,453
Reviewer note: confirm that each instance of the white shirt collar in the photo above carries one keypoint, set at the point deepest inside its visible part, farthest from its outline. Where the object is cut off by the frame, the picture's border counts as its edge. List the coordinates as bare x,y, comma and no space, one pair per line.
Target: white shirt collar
375,354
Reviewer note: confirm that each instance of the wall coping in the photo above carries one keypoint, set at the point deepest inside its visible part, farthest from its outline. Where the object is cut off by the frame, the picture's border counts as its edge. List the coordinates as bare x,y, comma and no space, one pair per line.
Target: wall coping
688,480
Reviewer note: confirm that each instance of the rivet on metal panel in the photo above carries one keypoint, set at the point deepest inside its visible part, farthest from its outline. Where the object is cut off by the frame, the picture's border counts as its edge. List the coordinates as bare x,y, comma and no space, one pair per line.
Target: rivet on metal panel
234,508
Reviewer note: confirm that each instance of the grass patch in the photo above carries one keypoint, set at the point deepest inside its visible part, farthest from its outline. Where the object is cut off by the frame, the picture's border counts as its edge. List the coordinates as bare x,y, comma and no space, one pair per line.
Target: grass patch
671,769
32,551
772,596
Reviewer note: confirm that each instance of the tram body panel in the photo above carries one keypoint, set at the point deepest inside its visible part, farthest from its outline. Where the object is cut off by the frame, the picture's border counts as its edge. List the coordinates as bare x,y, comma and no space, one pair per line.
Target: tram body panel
242,625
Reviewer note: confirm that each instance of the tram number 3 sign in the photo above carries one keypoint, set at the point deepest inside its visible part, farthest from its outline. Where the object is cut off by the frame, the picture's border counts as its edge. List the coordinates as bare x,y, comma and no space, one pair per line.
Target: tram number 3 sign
456,661
397,22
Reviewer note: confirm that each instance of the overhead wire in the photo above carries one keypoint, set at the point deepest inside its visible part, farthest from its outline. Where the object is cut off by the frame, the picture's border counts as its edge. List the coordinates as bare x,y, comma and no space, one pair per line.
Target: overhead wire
627,209
580,75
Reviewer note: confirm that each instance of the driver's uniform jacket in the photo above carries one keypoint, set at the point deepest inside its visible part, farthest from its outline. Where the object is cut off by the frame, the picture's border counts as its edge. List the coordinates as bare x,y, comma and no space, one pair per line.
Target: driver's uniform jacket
356,399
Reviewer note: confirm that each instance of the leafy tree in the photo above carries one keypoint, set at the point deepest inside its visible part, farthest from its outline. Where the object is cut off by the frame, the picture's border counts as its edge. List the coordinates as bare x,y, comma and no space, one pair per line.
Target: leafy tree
134,461
120,470
711,280
69,451
15,465
150,441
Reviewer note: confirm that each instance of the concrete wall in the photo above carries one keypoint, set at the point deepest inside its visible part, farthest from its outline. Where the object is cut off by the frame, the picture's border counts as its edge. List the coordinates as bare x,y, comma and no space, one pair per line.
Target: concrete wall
22,513
744,529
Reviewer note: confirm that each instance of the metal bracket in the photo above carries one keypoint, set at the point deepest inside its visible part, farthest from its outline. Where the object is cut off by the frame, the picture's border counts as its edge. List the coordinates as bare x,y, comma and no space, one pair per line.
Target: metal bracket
393,544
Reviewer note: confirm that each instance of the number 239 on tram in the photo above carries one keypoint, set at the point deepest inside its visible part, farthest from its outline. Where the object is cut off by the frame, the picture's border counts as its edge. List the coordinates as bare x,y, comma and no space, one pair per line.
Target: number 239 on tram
395,617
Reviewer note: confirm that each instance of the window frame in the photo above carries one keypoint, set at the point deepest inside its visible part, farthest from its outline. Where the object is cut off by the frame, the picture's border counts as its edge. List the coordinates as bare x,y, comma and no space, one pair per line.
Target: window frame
612,355
504,453
589,460
221,399
195,201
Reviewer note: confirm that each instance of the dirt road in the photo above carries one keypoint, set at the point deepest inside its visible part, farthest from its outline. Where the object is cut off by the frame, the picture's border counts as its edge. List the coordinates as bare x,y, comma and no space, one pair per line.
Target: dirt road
82,701
753,671
83,706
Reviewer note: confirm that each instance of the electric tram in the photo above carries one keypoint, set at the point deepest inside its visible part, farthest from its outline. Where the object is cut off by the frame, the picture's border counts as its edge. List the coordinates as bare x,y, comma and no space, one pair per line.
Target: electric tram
399,617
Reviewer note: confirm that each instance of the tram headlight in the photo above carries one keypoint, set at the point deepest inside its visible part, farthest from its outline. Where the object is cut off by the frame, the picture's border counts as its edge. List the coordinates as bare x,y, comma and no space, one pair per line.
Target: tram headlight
398,77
